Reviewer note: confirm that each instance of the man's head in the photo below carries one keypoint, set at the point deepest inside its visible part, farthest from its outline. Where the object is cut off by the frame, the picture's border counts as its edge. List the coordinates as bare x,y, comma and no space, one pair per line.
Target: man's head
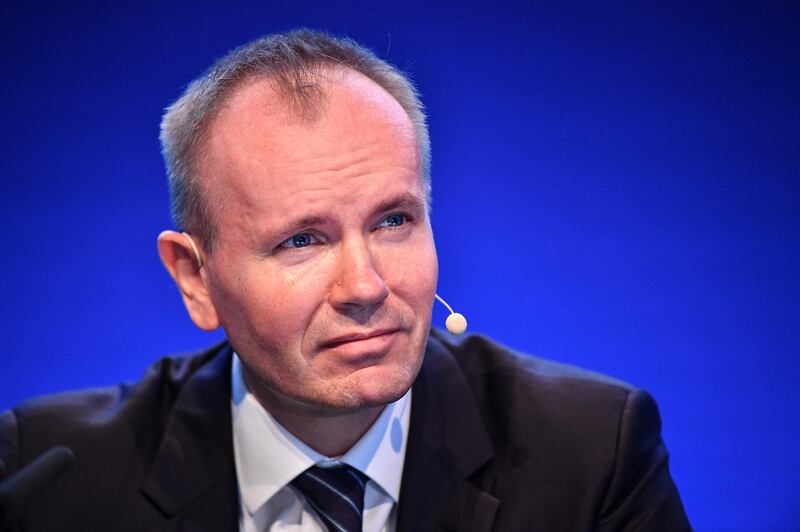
321,266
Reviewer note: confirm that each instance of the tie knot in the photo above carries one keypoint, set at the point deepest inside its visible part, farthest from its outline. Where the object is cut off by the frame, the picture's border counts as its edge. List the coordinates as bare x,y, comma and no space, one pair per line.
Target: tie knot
336,494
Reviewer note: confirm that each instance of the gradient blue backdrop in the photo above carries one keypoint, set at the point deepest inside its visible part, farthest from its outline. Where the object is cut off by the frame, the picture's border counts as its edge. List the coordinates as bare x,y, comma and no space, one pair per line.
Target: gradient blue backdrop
613,187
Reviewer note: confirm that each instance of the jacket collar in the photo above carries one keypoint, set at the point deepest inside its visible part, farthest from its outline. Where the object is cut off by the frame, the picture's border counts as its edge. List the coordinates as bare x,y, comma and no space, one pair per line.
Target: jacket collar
447,444
193,477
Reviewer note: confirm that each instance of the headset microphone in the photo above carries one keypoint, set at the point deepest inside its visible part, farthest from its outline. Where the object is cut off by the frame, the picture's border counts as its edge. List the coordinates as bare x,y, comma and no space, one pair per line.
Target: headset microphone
456,323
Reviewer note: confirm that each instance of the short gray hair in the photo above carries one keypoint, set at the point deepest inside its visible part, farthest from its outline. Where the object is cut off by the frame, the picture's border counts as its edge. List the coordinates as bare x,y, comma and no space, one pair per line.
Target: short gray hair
288,60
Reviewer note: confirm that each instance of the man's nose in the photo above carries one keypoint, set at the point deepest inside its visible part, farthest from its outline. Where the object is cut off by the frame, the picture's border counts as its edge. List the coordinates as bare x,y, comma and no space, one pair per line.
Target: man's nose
358,282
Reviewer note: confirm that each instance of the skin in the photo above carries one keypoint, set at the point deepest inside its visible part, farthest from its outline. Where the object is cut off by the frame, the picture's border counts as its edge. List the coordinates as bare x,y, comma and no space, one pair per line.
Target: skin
324,272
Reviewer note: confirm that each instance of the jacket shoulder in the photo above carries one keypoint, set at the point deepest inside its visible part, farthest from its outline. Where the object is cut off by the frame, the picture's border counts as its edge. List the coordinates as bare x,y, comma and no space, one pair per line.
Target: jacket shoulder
501,372
532,405
587,445
98,418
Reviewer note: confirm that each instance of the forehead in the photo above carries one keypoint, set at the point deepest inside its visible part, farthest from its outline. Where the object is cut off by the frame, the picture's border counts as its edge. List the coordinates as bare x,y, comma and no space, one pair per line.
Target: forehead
262,154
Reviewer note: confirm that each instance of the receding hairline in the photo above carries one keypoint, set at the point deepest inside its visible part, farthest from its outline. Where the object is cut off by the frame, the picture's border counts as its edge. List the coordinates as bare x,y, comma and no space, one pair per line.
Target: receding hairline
311,107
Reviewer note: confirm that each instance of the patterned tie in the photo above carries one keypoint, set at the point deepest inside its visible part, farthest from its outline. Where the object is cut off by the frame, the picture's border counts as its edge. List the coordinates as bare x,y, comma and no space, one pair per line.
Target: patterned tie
336,494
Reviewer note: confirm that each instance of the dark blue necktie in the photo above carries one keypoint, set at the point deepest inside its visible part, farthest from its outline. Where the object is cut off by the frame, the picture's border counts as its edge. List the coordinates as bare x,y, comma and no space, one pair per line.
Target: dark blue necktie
336,494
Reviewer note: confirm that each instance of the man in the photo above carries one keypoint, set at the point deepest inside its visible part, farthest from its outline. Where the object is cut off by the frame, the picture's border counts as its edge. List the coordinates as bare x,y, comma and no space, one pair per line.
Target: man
300,178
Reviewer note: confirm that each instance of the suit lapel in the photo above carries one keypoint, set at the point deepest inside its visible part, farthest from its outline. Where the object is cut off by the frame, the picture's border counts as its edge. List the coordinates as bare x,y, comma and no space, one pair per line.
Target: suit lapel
447,444
193,476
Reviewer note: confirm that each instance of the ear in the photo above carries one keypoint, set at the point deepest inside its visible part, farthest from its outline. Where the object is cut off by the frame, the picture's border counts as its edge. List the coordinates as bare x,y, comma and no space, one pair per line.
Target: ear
180,261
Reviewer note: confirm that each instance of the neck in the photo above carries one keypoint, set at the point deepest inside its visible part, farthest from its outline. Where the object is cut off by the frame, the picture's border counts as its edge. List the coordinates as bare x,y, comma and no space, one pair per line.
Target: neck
331,435
329,432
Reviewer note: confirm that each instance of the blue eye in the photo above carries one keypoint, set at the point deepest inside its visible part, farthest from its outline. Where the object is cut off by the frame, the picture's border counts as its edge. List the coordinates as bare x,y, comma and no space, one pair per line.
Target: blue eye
393,220
300,240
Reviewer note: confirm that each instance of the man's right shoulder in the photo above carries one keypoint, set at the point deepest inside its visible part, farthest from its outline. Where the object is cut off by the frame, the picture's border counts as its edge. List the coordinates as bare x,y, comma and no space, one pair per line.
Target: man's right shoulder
98,416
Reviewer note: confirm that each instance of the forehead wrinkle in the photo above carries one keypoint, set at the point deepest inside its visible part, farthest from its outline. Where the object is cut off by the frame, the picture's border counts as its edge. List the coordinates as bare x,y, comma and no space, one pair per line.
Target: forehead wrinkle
353,159
349,166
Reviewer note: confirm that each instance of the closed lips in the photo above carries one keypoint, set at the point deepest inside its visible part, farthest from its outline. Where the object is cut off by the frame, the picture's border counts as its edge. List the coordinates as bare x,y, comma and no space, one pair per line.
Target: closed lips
356,337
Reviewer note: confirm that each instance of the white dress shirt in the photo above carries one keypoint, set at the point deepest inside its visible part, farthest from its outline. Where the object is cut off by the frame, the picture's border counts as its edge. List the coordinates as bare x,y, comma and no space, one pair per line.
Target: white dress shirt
268,457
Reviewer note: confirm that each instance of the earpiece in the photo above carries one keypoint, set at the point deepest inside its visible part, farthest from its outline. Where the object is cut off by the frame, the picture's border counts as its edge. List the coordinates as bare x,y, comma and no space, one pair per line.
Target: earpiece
456,323
196,250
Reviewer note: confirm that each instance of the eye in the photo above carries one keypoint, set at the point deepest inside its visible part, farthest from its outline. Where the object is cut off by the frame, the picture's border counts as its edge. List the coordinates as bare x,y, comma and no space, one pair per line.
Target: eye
393,220
300,240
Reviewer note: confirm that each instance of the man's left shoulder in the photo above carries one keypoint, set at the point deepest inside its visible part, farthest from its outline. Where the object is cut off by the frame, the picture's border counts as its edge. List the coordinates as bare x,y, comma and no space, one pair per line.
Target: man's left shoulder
564,411
573,449
513,379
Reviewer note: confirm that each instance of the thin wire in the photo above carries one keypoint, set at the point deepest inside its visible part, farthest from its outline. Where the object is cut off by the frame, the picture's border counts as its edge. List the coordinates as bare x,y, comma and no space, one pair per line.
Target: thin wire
443,302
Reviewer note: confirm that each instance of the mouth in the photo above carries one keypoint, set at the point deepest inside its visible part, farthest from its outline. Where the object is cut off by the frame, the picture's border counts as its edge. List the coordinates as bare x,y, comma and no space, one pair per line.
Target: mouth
365,339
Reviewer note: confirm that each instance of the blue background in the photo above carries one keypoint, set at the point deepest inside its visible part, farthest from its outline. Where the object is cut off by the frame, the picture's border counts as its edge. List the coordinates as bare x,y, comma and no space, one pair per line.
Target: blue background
615,187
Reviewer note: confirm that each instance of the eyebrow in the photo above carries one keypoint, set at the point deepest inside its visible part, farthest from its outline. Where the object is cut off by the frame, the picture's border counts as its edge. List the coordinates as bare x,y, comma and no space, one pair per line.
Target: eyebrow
404,201
302,223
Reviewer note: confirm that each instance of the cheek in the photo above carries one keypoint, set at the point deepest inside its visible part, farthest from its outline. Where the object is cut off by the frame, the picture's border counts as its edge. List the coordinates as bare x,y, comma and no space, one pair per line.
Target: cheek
413,274
287,308
268,307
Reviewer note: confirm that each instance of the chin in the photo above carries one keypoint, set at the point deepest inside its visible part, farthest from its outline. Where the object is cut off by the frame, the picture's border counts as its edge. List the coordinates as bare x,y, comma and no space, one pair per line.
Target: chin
384,393
375,387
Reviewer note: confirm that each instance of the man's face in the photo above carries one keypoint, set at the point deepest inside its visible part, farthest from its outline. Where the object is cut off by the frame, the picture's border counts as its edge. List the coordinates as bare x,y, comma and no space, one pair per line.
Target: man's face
324,272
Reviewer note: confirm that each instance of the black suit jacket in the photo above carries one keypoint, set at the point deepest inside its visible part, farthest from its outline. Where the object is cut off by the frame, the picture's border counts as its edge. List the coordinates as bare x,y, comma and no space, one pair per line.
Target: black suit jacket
497,441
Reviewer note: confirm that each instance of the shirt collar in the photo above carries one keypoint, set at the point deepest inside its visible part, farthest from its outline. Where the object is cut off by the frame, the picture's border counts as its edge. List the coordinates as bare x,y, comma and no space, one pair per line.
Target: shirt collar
268,456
